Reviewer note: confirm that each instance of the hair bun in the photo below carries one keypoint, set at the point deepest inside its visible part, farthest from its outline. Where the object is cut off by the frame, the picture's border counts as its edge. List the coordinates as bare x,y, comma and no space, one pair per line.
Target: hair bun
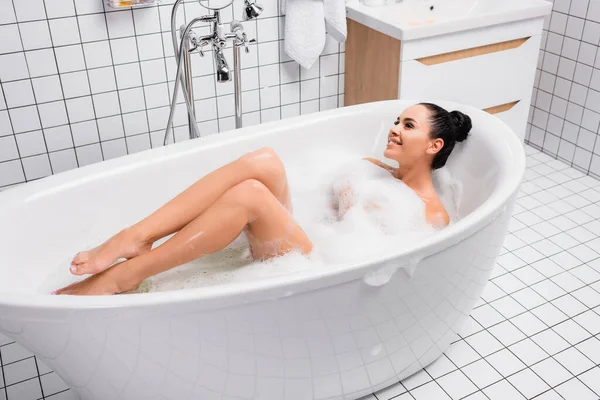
463,125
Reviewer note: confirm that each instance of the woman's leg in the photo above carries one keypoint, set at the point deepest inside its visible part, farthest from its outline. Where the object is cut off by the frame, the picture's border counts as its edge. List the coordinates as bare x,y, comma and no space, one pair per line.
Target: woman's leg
272,231
262,165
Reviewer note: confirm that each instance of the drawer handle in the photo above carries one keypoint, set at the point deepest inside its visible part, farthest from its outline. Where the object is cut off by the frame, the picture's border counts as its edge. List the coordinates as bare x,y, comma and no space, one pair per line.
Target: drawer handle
501,108
472,52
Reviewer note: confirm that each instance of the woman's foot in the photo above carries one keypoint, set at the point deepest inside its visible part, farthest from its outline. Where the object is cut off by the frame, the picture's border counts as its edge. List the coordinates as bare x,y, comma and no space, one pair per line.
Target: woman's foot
125,244
107,282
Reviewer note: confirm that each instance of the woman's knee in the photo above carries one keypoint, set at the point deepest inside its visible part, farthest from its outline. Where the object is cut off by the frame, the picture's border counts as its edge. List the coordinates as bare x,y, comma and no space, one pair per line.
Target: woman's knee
264,165
250,194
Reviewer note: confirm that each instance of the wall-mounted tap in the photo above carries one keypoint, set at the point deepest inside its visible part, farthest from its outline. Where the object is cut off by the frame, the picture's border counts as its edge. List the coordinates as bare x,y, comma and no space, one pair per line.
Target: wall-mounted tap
190,42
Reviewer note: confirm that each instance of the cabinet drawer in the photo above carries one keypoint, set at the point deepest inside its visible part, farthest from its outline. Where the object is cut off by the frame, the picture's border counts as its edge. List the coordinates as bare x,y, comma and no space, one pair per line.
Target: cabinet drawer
482,77
515,117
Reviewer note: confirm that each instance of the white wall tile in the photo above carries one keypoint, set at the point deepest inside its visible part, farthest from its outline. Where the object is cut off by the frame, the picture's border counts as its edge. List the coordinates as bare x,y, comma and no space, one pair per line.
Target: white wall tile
75,84
290,72
53,114
110,128
554,43
138,143
7,13
309,107
13,66
591,32
11,172
150,47
562,6
88,7
578,94
8,148
11,40
226,106
582,158
5,125
593,101
85,133
269,75
268,53
106,104
269,97
63,160
128,76
2,103
97,54
593,13
59,8
35,35
574,27
590,120
135,123
114,148
90,154
124,50
146,20
267,30
64,31
566,68
132,100
595,80
250,101
92,27
157,95
31,143
70,58
29,10
37,167
80,109
58,138
153,72
558,23
102,80
249,79
120,24
570,48
290,93
24,119
18,93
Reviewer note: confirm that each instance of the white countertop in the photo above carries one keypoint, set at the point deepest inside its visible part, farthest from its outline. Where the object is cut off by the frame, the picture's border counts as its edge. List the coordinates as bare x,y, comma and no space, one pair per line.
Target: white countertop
414,19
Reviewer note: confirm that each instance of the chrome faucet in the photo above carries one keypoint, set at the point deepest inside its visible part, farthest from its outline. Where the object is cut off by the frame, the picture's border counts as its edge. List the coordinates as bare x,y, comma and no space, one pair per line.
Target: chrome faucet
217,38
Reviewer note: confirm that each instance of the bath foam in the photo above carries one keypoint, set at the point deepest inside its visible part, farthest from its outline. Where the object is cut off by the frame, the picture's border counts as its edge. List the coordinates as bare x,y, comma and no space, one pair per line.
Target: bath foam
358,236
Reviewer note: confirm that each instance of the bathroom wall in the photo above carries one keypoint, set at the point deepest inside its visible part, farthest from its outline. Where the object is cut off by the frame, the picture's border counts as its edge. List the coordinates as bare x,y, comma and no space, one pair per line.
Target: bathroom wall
82,83
565,112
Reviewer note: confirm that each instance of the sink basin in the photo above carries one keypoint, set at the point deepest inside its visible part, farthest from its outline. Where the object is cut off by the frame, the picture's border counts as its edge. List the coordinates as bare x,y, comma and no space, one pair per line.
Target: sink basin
414,19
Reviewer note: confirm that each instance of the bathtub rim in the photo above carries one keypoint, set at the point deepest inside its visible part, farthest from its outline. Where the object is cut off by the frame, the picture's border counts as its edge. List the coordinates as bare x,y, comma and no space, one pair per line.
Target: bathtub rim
277,287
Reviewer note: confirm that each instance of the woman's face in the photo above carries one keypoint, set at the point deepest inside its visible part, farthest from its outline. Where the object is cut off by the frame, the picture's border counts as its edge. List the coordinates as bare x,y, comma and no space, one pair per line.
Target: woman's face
408,139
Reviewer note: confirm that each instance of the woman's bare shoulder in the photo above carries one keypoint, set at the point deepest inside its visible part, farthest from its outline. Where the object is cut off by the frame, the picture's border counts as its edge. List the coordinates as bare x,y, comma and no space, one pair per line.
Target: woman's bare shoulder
379,163
436,214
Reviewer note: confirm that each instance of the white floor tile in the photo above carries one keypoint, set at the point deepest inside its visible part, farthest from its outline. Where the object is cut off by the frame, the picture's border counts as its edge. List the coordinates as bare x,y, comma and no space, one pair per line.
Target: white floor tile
461,354
571,331
591,379
52,384
569,305
528,352
551,372
13,352
457,385
587,296
567,281
505,362
573,360
549,314
549,267
481,373
590,321
584,253
476,396
550,341
470,327
549,395
486,315
20,371
506,333
26,390
484,343
575,390
528,323
502,391
591,348
528,383
440,367
508,307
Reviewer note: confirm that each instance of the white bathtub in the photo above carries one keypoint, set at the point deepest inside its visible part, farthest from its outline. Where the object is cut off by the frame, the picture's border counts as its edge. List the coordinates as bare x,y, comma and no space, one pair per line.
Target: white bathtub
319,334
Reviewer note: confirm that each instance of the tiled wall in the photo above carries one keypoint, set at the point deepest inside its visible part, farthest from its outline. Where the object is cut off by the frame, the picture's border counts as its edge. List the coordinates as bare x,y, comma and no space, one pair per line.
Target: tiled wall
565,115
82,83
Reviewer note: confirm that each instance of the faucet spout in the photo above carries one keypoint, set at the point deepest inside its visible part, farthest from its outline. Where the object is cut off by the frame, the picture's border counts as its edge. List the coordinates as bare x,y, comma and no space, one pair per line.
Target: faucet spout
223,71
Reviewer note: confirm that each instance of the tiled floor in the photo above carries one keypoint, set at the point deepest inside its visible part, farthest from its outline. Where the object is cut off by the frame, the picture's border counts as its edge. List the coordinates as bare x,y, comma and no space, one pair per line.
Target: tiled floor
535,333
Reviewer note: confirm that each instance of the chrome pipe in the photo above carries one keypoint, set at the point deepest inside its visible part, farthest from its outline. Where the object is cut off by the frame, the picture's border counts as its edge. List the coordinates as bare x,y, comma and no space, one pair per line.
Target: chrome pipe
187,78
237,83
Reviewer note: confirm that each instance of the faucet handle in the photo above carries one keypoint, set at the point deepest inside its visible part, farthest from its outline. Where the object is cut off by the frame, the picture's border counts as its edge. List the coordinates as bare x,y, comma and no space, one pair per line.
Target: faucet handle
199,47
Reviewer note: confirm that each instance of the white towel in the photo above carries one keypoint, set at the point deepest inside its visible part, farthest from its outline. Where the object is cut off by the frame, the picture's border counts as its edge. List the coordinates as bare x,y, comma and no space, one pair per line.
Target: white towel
335,19
306,25
304,31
